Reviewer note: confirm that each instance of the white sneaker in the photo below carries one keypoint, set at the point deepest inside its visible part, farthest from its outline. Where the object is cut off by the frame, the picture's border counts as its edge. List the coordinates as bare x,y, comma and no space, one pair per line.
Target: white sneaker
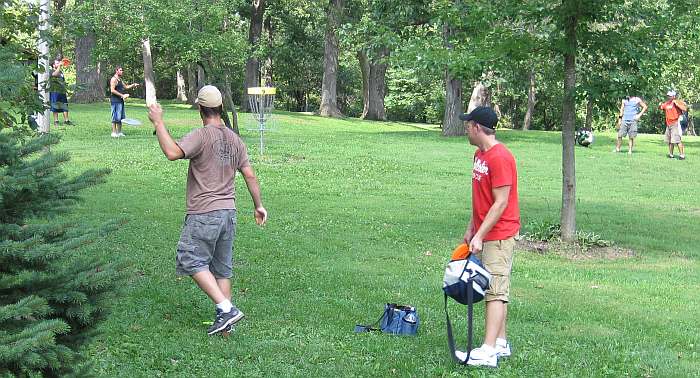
502,349
121,135
461,355
483,356
115,135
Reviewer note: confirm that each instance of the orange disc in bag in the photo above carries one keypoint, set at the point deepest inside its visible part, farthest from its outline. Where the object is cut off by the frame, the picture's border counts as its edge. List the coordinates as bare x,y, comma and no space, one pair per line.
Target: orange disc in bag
461,252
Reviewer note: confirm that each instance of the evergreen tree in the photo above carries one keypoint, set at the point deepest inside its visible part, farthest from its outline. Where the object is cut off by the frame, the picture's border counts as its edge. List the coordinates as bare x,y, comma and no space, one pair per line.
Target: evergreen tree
51,297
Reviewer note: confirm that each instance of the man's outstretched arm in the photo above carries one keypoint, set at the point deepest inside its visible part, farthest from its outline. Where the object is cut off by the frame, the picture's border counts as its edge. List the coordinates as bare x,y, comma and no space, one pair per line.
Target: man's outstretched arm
171,150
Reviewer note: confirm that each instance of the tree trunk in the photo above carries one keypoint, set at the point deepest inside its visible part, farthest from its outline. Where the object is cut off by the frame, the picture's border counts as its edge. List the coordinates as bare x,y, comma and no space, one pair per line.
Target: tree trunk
377,86
266,73
90,86
568,192
451,124
181,90
530,101
364,70
481,96
691,126
229,105
589,113
148,74
43,119
201,77
329,95
252,65
191,84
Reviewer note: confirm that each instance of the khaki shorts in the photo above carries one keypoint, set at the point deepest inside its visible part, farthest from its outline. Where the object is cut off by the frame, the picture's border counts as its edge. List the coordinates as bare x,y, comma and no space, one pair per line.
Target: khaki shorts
497,257
673,134
627,128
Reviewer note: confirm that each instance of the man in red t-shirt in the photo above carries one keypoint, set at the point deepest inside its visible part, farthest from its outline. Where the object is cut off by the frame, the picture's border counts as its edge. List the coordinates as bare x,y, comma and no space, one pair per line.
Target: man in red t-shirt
494,223
673,109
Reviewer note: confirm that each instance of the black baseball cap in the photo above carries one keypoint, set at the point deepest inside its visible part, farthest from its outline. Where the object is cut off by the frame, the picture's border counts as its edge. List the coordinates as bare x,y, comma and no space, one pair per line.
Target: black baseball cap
483,115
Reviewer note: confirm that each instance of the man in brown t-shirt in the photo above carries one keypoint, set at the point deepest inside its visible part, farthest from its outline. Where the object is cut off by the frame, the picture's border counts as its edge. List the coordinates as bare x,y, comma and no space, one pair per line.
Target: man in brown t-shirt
205,247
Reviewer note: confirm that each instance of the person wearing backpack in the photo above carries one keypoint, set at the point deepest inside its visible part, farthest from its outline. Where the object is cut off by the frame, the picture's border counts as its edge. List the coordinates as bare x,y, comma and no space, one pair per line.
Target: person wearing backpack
494,223
673,109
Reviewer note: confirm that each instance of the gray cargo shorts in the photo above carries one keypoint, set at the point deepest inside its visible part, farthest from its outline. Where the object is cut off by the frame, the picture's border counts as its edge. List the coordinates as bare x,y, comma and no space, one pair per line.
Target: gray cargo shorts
628,128
206,243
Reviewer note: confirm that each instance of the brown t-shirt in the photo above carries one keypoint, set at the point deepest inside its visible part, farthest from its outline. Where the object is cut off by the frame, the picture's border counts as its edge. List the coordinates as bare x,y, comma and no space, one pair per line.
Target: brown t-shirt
215,154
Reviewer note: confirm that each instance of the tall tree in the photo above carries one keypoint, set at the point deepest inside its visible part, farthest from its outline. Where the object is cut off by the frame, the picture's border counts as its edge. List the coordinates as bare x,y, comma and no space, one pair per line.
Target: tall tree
329,96
374,80
181,86
571,13
252,66
149,75
42,118
454,105
90,86
531,100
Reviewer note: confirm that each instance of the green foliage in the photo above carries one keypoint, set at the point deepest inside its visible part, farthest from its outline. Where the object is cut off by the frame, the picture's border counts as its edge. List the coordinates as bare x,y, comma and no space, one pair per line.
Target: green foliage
51,296
550,231
357,208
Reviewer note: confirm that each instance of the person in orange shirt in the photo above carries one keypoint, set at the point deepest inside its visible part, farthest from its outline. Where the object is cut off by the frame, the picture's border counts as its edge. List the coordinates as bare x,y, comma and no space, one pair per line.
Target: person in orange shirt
673,108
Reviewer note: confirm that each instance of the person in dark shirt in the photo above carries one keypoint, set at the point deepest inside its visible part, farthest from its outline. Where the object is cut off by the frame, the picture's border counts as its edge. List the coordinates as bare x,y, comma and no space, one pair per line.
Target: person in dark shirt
117,90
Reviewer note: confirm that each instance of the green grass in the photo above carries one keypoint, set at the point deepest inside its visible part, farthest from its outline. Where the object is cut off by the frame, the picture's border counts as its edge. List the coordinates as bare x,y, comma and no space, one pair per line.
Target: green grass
354,208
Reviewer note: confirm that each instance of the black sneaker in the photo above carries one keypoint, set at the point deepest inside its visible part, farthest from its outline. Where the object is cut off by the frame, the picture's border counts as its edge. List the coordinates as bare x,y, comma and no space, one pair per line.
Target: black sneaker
224,320
68,122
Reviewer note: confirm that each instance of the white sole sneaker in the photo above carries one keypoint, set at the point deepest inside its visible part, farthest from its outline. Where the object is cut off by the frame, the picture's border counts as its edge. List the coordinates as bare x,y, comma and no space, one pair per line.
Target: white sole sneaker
491,362
503,351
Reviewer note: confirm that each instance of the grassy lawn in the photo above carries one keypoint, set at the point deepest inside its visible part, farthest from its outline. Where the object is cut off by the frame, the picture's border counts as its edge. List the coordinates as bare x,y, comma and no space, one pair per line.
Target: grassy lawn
364,213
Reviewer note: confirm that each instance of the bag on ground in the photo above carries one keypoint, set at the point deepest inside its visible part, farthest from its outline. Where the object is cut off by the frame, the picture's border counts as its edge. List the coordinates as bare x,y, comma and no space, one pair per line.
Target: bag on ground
395,320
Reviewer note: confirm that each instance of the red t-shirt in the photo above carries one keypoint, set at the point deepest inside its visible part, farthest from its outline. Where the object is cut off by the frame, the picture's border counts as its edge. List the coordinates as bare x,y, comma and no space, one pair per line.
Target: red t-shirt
493,169
672,112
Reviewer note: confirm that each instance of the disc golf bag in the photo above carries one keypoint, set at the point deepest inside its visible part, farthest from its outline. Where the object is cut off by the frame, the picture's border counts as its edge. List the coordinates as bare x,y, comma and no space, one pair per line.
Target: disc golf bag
466,281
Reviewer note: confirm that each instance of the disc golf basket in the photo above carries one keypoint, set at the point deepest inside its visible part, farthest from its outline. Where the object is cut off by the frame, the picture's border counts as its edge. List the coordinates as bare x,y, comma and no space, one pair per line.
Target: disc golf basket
261,101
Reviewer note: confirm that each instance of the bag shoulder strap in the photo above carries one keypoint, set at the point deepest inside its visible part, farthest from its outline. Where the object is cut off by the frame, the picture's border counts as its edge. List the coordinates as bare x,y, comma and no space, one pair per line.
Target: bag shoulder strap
374,326
470,318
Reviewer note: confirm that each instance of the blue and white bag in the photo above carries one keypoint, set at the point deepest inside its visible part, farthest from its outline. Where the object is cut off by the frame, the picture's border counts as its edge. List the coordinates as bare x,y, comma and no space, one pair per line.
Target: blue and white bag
466,281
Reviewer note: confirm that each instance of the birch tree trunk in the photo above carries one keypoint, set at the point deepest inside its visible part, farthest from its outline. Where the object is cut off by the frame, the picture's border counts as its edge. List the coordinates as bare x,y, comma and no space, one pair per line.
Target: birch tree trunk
148,74
181,89
481,96
43,119
329,95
